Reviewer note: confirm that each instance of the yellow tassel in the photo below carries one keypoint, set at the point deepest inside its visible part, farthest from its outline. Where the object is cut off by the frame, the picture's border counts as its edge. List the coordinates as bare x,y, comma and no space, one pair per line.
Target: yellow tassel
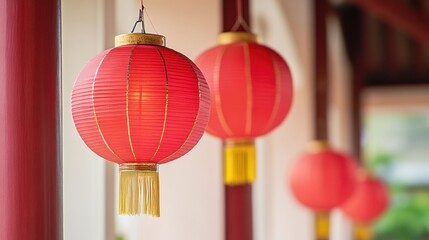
363,231
139,189
322,227
239,162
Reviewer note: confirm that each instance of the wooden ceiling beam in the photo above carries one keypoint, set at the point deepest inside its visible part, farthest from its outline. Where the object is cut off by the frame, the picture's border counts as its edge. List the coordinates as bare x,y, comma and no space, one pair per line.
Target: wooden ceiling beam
396,13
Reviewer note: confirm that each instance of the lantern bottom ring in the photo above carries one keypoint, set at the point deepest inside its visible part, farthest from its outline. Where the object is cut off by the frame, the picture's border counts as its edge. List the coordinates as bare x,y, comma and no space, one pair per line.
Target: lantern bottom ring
139,189
138,167
239,162
363,231
322,225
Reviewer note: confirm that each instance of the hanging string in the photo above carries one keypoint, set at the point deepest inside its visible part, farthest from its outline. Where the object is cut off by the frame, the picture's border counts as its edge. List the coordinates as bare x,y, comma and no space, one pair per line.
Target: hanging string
240,22
140,19
150,20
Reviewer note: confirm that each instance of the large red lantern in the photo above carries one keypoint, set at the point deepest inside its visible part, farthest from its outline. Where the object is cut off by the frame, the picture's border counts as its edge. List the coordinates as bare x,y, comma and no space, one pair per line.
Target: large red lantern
140,104
251,92
368,201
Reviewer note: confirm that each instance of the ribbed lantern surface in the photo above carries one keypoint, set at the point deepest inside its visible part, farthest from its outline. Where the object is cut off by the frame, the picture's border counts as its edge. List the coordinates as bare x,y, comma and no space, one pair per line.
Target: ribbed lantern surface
368,201
322,178
251,94
140,105
251,89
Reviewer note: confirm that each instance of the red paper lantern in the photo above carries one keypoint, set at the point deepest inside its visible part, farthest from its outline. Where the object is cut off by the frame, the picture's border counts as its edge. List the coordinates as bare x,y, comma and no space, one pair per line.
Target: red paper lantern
140,104
368,201
251,92
251,88
322,179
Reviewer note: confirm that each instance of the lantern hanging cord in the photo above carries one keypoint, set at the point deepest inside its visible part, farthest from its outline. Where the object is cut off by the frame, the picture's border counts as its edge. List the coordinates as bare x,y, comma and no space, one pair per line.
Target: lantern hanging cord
240,21
150,21
140,19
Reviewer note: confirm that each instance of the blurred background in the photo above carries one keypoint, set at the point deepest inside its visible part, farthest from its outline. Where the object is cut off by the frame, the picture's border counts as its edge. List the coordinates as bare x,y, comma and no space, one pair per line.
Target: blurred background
384,48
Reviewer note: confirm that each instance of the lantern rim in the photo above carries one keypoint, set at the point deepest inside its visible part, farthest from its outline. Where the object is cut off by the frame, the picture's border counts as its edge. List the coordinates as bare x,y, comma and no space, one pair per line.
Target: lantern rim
152,167
317,146
140,39
234,37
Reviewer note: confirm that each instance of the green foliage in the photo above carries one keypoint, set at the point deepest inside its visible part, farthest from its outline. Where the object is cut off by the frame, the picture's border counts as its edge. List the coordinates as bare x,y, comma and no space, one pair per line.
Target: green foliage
392,137
381,159
377,161
407,218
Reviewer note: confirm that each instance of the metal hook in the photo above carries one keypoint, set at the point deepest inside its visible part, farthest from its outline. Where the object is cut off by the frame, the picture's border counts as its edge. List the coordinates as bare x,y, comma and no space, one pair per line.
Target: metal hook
140,20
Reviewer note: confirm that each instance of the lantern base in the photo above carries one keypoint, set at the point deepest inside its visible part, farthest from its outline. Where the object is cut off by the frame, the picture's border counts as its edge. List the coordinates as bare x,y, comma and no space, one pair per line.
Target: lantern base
139,189
322,226
239,162
363,231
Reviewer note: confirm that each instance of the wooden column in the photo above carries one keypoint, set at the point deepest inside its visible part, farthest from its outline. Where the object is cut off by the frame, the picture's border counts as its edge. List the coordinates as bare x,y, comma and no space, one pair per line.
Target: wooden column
238,212
238,199
321,8
353,26
356,91
321,91
360,72
30,136
229,11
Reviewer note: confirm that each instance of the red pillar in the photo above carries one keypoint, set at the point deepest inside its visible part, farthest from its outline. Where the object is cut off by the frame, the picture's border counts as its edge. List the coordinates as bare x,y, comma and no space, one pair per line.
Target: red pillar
321,92
238,199
30,138
238,212
321,83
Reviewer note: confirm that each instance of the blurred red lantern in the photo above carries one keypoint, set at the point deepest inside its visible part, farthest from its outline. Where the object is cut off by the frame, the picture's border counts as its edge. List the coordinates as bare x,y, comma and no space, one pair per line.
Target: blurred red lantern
140,104
322,178
368,201
251,92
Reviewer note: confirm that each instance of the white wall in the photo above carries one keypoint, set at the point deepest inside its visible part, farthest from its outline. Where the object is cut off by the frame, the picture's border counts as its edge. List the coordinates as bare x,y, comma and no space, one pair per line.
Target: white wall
83,171
277,21
191,187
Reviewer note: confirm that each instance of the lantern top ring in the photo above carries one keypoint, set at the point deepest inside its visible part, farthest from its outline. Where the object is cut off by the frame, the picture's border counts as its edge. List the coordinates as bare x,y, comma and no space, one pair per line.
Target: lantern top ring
150,167
139,39
233,37
318,146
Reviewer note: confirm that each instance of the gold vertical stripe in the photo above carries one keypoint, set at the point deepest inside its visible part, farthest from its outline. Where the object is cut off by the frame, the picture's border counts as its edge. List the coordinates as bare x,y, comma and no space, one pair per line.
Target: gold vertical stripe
248,76
276,106
93,105
166,105
126,103
196,117
218,103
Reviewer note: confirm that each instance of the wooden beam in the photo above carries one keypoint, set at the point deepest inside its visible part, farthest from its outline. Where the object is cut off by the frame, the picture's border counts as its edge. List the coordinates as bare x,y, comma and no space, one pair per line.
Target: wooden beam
418,48
403,79
398,14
